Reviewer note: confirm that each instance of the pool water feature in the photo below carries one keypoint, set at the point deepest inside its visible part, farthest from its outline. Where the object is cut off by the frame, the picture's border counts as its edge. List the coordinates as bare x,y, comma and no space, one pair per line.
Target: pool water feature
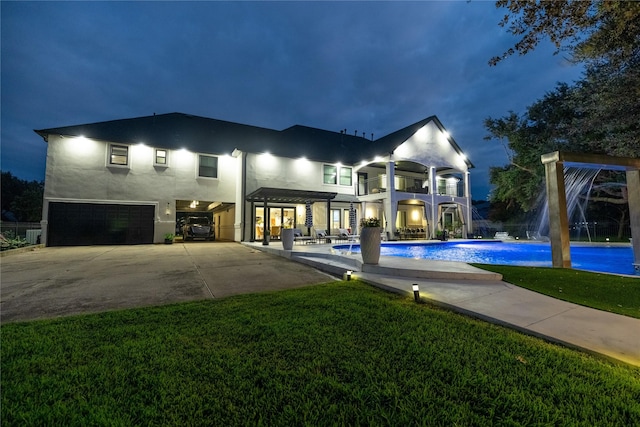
606,258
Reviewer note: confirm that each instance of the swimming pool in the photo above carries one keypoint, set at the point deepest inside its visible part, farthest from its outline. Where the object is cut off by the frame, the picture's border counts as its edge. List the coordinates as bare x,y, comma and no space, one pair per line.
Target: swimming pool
608,259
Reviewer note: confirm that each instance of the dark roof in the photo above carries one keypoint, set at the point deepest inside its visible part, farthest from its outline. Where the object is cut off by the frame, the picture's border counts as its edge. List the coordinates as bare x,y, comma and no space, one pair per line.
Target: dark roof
205,135
174,131
283,195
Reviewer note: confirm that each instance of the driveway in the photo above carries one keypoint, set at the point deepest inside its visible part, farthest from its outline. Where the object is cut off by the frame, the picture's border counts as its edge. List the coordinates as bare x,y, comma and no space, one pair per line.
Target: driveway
52,282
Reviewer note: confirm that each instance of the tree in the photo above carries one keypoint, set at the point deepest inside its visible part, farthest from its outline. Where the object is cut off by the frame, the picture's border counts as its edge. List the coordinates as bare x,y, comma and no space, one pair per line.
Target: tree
597,114
606,107
596,30
558,122
23,198
543,129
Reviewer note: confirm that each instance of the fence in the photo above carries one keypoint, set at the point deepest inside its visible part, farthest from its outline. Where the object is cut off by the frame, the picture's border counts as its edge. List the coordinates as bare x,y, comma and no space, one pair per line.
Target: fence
578,232
17,229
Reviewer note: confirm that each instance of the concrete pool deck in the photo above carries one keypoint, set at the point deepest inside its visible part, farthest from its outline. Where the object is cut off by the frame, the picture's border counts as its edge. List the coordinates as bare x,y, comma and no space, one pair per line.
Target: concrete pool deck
484,295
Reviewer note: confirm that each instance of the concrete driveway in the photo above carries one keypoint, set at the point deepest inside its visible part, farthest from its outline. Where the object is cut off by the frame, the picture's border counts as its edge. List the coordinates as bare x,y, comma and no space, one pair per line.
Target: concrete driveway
52,282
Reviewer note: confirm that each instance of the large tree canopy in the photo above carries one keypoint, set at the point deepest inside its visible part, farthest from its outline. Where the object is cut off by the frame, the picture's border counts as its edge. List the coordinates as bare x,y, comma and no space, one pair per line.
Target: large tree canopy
596,30
22,198
597,114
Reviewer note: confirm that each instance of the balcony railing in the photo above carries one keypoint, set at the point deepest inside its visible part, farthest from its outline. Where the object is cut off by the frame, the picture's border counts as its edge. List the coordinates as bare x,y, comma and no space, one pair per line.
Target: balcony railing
407,184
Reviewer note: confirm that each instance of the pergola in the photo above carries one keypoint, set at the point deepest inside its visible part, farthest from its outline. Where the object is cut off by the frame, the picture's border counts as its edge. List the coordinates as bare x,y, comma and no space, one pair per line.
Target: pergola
558,221
283,195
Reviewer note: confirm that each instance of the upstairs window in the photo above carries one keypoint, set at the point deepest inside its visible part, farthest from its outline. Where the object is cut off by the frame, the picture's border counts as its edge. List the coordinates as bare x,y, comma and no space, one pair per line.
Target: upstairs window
118,155
345,176
207,166
335,175
161,157
330,174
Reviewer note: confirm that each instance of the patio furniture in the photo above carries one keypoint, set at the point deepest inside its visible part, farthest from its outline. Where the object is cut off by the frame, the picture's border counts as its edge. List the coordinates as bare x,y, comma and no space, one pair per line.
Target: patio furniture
502,235
298,237
344,234
275,232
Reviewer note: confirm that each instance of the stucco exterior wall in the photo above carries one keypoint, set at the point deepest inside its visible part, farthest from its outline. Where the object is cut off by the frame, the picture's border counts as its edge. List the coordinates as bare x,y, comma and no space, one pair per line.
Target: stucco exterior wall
77,171
295,174
430,147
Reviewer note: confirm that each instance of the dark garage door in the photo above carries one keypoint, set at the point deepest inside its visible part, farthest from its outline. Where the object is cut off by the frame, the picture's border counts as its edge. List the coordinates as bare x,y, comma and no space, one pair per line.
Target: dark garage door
78,224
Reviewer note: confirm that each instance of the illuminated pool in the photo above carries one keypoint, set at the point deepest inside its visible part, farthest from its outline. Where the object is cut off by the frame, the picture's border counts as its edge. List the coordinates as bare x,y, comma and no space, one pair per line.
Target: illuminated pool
608,259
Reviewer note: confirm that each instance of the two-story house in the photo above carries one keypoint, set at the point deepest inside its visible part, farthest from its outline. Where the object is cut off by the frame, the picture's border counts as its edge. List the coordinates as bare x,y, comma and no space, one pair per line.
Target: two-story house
130,181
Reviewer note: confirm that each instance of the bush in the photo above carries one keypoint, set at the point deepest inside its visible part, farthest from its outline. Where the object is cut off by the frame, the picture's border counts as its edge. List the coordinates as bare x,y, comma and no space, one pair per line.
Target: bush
12,243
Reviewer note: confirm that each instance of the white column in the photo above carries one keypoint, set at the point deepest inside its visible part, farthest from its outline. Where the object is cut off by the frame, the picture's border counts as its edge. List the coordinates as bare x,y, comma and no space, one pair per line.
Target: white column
390,202
433,190
633,190
467,195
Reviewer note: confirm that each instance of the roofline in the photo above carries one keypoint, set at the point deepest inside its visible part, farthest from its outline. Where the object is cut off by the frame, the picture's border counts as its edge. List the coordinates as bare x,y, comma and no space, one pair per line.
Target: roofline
44,133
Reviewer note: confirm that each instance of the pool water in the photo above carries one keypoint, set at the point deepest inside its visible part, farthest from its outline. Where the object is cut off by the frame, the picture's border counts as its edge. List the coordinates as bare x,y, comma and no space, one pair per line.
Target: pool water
607,259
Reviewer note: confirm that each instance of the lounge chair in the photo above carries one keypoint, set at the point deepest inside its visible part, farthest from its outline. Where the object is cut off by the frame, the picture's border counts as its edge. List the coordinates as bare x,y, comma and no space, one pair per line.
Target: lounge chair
321,235
502,235
298,237
344,234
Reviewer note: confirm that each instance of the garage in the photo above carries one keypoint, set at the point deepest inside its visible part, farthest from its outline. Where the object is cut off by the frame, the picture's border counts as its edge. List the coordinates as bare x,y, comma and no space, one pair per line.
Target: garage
82,224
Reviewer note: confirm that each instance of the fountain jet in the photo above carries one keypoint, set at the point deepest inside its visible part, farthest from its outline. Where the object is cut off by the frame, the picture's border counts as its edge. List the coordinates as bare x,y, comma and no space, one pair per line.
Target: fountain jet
557,198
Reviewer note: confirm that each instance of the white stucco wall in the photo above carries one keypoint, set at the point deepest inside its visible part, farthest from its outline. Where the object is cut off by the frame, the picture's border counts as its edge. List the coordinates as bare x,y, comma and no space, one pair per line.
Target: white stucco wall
294,174
77,171
430,147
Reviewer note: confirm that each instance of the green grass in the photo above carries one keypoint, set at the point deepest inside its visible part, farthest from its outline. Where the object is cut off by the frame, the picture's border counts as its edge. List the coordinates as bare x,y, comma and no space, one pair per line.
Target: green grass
608,292
343,353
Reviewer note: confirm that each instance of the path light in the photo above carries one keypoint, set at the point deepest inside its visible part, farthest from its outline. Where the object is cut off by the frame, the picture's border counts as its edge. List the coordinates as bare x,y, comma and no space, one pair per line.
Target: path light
416,292
348,274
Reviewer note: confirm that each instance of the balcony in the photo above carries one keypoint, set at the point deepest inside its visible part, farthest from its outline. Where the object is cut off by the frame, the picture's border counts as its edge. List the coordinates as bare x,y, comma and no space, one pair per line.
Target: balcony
410,184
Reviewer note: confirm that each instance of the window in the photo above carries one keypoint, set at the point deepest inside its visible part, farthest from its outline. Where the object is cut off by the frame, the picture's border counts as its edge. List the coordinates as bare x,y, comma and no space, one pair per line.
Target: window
207,166
118,155
330,174
335,219
161,157
345,176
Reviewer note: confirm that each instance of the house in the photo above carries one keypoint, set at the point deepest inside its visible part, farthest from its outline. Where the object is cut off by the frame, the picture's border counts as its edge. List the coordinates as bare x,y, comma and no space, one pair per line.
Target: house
129,181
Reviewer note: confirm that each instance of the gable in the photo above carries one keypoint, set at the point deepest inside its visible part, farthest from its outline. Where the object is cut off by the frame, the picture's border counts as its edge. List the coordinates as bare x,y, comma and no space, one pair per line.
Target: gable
430,146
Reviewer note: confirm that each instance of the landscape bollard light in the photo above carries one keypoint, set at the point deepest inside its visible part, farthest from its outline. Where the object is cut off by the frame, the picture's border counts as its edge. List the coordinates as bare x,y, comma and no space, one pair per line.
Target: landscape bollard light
416,292
348,274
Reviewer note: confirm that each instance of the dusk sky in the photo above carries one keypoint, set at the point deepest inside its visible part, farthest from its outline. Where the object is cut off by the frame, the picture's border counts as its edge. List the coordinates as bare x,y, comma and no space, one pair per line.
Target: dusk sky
368,66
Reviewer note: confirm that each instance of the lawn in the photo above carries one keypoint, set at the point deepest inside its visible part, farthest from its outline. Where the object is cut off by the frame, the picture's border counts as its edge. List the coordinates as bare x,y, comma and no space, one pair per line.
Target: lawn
608,292
343,353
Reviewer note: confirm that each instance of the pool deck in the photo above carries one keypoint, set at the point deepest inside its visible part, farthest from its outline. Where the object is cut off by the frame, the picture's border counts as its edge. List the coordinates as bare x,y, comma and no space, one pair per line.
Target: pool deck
481,294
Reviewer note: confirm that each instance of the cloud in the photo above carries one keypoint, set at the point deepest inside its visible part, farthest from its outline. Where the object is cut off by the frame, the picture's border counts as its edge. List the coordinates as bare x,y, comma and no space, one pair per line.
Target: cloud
374,66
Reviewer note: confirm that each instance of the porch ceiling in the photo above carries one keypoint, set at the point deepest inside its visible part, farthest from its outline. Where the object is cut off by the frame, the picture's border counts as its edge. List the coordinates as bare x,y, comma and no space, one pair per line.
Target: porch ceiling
283,195
407,166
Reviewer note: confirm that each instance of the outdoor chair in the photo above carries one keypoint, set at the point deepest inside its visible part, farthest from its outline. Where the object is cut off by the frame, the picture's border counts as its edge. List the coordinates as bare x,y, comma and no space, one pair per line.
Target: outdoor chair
298,237
346,235
275,232
502,235
321,235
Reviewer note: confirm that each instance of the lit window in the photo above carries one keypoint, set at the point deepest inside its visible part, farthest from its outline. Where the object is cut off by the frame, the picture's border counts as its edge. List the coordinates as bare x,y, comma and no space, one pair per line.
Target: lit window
207,166
161,157
337,175
345,176
330,174
118,155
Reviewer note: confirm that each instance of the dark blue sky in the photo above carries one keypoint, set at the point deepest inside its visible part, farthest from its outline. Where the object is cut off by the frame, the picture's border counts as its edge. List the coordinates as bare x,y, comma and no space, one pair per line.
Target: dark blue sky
366,66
